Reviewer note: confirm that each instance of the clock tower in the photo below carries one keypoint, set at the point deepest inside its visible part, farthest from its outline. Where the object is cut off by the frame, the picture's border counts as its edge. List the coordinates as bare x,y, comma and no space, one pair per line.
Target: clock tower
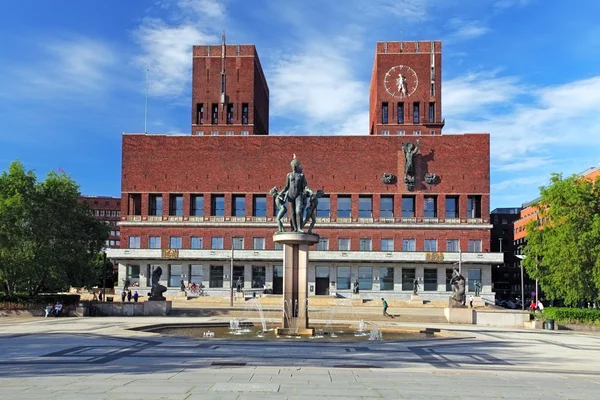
405,93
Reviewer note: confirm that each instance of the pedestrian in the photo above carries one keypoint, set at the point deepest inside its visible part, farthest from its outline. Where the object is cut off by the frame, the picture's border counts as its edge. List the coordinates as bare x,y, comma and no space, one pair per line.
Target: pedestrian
540,306
48,310
532,305
385,307
100,296
94,297
471,301
123,295
129,296
135,296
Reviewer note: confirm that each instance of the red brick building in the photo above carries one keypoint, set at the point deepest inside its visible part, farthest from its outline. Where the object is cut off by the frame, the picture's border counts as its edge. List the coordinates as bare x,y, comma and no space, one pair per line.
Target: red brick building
189,200
106,209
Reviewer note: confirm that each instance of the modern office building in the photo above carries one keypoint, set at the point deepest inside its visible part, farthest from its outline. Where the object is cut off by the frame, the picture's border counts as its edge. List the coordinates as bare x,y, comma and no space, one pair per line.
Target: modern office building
106,209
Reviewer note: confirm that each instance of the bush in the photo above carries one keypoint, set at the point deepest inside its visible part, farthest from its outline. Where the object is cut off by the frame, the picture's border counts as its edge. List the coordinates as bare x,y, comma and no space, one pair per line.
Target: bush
22,301
573,315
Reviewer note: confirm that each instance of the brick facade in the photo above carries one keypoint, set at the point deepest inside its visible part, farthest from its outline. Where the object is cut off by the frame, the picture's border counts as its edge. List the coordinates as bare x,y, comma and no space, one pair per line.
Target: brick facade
106,209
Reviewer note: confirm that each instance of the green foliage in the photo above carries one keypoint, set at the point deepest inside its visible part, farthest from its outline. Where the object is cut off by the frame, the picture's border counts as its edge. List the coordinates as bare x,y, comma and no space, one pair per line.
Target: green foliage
564,255
573,315
48,240
26,301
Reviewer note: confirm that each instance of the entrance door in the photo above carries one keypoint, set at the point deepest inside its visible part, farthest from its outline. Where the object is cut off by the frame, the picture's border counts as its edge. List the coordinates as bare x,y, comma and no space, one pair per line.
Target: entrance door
322,281
278,279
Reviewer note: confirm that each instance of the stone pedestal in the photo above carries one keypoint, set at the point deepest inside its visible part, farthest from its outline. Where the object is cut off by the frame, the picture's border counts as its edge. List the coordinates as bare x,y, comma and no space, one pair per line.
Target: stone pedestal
295,283
478,302
157,308
415,299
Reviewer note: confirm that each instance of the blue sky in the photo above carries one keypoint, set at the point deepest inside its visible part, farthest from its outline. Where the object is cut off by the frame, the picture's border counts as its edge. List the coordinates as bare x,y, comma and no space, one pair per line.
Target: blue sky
72,76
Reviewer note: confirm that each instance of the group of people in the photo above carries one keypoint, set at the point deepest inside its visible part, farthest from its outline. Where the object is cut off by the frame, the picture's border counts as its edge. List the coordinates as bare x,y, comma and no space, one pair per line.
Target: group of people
53,310
536,307
127,295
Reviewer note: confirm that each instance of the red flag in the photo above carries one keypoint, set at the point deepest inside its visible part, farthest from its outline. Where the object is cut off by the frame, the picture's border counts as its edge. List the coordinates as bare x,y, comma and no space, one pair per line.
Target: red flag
61,170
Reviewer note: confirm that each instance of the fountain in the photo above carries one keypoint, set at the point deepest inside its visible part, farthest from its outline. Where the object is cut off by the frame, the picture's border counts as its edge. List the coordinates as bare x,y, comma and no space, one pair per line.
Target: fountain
254,303
375,334
234,324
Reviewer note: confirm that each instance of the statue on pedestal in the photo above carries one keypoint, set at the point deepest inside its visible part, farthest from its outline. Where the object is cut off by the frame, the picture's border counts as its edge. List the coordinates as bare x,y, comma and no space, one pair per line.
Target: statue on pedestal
415,286
458,287
409,150
157,290
311,210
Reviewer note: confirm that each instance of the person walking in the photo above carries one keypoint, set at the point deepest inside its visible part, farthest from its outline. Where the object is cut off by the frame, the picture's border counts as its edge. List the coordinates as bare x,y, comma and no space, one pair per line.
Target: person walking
135,296
129,296
123,295
470,301
385,307
100,296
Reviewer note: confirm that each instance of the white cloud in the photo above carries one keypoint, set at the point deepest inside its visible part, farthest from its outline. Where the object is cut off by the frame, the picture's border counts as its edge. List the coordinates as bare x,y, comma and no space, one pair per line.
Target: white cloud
504,4
411,10
208,8
464,30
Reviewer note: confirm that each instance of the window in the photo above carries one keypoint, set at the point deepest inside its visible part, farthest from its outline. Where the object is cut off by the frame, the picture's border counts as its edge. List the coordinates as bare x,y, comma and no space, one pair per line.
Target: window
239,206
387,244
215,114
323,244
117,233
384,113
199,113
175,242
344,244
111,242
401,133
195,274
174,275
102,213
365,207
245,113
176,205
258,277
474,246
237,243
408,245
417,133
259,206
452,207
323,207
433,88
134,242
279,246
430,207
133,274
448,279
118,243
386,278
343,278
452,245
432,112
408,206
415,113
344,207
197,203
154,242
386,206
430,245
430,275
385,133
238,273
365,278
230,113
474,207
408,277
217,206
432,132
245,133
200,133
229,133
365,244
259,243
216,243
216,276
474,277
223,83
196,242
214,133
400,113
155,204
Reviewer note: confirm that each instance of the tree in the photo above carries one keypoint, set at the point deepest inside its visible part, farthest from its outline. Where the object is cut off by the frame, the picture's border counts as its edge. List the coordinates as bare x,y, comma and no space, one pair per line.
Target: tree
51,240
564,252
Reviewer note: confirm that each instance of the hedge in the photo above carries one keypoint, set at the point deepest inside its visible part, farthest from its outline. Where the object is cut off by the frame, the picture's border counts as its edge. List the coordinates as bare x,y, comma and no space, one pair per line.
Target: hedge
573,315
20,301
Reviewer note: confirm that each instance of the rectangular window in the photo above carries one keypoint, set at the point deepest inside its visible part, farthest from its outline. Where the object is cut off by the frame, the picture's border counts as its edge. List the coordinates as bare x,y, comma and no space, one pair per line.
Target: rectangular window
474,246
432,132
229,133
216,276
279,246
102,213
133,274
237,243
258,277
195,274
386,206
416,133
430,275
400,113
134,242
200,133
474,207
259,243
217,206
408,245
365,244
214,133
401,133
176,205
175,275
416,113
452,207
384,113
259,206
387,244
365,207
408,206
408,277
452,245
386,278
245,133
245,113
448,279
215,114
238,274
239,206
196,242
216,243
344,244
175,242
430,207
385,133
118,233
197,203
432,88
154,242
223,83
323,207
430,245
344,207
431,112
473,278
323,244
365,278
155,204
343,278
199,114
230,113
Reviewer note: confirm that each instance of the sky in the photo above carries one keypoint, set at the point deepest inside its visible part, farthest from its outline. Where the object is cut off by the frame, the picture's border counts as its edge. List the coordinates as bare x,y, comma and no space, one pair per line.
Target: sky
73,73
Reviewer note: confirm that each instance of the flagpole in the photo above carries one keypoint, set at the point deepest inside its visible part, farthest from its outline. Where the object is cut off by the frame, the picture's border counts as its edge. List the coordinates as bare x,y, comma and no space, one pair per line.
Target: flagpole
146,105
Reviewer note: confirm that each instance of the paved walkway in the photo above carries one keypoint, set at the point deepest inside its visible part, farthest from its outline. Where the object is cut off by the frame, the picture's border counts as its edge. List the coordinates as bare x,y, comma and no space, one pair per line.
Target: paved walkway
98,358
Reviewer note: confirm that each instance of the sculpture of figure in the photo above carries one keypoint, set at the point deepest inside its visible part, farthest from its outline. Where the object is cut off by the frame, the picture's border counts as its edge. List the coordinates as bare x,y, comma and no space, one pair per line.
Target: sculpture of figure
401,82
157,289
415,286
182,285
311,210
239,284
295,189
477,288
409,150
356,287
281,207
458,287
388,178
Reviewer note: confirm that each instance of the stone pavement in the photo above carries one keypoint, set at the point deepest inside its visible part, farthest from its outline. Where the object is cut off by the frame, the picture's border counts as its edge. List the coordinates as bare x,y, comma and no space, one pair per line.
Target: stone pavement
97,358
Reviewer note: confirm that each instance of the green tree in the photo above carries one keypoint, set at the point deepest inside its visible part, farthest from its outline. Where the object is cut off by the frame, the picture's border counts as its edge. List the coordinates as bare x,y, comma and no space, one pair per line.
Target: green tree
564,252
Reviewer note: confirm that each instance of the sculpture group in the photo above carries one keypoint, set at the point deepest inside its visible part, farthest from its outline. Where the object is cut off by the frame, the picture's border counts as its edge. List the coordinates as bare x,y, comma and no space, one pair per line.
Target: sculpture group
301,199
458,287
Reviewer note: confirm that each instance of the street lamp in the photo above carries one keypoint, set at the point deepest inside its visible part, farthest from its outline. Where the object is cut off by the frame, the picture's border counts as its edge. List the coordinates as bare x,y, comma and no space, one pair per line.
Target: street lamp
522,257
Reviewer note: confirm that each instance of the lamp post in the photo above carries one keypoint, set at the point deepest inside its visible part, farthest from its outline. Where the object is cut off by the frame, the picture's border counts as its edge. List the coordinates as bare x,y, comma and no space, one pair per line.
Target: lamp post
522,257
231,277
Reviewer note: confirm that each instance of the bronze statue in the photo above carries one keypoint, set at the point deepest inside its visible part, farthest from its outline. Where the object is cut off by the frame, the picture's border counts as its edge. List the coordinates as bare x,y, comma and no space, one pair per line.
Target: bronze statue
281,207
311,210
415,286
409,150
458,287
157,289
295,188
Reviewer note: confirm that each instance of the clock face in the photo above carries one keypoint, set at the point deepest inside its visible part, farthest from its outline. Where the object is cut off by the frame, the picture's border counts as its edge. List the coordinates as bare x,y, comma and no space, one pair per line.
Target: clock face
401,81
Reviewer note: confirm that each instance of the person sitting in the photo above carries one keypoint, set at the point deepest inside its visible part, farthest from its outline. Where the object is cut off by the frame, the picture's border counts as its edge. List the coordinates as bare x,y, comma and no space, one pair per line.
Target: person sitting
48,310
57,308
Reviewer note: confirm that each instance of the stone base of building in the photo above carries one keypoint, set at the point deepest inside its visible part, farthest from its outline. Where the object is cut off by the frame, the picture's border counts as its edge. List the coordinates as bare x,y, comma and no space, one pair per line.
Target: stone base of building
147,308
415,299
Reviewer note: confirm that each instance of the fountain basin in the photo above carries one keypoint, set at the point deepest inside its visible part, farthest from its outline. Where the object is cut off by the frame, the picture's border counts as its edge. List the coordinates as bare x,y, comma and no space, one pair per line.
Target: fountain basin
296,332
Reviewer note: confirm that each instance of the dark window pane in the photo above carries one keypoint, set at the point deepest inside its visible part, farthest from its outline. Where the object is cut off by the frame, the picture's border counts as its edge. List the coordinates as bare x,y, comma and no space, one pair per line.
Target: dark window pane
430,207
365,207
344,207
239,206
216,276
452,207
217,206
365,278
260,206
408,276
386,278
386,207
343,278
323,208
408,206
430,279
197,209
